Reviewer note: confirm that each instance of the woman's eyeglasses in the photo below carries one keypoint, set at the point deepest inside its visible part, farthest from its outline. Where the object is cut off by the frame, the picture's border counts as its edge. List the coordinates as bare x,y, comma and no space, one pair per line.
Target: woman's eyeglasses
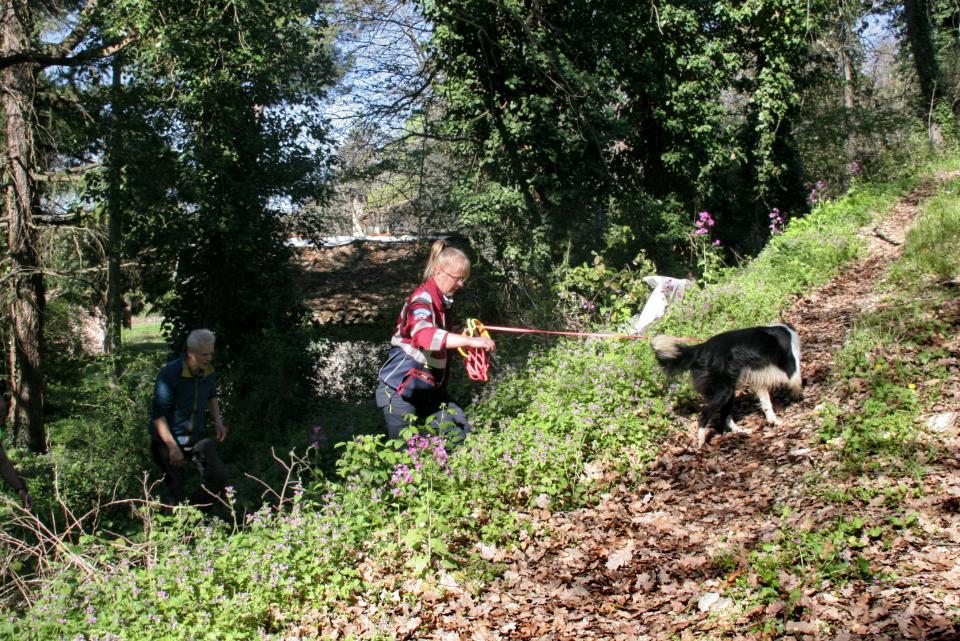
460,279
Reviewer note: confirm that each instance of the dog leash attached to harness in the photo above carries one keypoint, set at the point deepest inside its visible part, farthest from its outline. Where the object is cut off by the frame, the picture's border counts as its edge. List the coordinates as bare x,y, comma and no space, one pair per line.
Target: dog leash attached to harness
478,364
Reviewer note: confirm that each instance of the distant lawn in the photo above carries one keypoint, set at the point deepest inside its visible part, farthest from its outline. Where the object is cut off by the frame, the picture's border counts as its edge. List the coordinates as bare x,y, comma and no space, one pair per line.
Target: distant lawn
143,331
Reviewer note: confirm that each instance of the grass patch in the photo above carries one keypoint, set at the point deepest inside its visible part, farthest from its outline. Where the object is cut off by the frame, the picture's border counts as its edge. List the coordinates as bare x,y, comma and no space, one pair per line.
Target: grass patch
143,331
933,245
888,370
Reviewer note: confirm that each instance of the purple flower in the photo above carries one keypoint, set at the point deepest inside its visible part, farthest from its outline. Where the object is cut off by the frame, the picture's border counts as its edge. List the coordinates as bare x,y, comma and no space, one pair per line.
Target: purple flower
418,445
401,475
819,193
776,221
318,437
703,223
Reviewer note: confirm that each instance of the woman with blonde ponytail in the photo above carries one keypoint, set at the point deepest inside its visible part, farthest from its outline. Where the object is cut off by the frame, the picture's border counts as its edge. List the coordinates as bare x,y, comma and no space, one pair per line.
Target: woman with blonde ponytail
413,381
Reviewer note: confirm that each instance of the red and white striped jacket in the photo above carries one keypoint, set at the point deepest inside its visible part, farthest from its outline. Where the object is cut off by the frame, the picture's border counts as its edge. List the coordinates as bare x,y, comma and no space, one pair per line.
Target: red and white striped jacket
417,360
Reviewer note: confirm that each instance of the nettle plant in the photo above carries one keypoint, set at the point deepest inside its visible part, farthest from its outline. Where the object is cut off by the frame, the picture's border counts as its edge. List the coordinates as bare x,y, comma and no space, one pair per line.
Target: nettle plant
422,488
194,576
596,292
401,498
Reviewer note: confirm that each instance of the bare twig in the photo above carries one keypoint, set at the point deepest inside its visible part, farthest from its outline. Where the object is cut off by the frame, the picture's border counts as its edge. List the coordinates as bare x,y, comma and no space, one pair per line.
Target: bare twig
879,234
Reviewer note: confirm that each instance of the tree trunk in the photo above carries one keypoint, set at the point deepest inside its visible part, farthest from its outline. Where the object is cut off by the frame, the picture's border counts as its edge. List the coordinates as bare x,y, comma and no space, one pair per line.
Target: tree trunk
849,94
111,343
915,13
357,214
26,308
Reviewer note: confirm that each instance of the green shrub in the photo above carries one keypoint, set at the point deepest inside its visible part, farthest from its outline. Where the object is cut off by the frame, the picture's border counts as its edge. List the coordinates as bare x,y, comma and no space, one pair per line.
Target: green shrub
599,293
97,433
933,243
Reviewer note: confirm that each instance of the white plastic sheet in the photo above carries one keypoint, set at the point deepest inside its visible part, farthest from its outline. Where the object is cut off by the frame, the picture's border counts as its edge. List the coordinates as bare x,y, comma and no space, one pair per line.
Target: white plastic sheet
665,291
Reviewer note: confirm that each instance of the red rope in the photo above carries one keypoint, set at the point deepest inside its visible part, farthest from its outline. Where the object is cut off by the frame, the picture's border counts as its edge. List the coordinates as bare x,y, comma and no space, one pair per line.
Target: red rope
524,330
478,365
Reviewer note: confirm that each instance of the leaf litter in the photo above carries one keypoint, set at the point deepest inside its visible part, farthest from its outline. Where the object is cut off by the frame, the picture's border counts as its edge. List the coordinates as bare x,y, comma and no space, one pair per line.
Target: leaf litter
642,564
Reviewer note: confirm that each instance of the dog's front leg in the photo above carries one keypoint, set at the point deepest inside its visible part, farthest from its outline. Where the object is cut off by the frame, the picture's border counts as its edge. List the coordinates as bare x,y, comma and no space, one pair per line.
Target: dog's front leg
736,429
764,395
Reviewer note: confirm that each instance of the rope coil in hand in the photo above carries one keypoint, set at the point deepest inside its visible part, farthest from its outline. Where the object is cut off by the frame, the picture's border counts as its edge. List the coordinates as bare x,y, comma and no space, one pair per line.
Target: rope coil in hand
475,359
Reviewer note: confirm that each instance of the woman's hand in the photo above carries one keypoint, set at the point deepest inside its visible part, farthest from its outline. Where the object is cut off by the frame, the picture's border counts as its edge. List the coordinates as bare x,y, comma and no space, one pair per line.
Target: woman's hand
483,342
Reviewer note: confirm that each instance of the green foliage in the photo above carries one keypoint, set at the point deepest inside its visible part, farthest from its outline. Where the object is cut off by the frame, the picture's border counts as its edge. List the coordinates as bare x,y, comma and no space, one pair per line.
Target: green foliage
577,116
269,387
797,557
598,293
933,243
97,436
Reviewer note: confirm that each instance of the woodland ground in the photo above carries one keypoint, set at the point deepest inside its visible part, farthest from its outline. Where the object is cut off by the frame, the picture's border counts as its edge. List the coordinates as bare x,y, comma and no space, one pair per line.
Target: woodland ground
655,559
361,282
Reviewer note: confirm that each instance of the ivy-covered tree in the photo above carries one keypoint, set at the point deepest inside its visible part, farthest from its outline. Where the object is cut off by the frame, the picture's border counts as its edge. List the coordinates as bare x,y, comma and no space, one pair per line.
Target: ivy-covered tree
585,118
242,81
241,84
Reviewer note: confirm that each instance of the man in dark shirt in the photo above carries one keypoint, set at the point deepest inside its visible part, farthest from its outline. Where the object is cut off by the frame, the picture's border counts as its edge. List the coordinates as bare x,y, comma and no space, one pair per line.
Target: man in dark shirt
186,390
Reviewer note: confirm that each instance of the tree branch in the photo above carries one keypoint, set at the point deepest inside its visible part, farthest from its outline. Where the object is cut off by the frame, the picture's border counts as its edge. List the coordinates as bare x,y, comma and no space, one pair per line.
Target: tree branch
70,174
45,59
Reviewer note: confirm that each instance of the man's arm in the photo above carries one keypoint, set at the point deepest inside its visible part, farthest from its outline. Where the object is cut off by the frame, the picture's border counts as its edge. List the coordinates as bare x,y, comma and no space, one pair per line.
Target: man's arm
213,406
173,448
163,393
13,479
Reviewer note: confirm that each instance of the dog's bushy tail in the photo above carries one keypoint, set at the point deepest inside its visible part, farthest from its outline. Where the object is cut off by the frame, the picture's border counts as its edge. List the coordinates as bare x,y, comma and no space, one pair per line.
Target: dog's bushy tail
674,357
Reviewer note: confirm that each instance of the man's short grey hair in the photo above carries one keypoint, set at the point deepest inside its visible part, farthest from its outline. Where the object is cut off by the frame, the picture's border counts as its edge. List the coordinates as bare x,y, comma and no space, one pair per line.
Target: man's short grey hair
200,337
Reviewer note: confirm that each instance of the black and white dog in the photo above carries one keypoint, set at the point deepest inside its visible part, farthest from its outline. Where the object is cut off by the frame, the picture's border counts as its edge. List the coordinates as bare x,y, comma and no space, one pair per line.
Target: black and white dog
761,358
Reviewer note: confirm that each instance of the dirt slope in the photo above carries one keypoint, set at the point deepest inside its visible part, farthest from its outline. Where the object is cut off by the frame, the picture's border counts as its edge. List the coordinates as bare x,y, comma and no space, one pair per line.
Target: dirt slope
361,282
642,564
638,565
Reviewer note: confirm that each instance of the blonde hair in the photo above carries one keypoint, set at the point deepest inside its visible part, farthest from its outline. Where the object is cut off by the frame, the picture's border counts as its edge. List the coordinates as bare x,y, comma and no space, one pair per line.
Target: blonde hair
443,253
